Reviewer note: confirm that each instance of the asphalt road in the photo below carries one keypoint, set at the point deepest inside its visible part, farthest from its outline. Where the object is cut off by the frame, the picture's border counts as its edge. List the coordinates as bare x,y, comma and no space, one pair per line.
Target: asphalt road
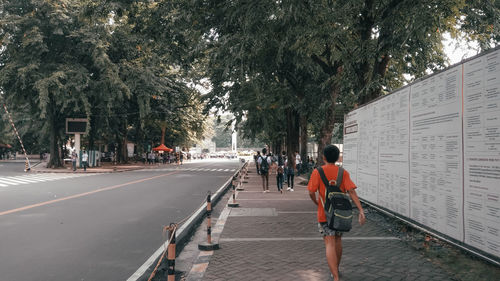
96,226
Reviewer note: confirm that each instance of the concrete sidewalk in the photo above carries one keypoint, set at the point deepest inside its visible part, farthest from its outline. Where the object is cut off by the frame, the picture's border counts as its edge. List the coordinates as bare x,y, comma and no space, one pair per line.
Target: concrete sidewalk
274,236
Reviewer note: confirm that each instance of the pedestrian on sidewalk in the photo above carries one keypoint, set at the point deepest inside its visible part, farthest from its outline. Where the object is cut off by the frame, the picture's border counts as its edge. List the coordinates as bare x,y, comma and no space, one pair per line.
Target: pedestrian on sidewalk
264,164
290,172
256,159
279,173
332,238
85,159
283,155
298,162
74,157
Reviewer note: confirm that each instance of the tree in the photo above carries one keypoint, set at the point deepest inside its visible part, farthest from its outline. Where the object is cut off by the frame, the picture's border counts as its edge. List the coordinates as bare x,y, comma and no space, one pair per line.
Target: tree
343,53
54,61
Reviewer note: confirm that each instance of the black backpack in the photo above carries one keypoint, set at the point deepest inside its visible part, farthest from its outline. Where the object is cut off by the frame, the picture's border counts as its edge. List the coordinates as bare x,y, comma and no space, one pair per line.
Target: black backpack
280,161
338,208
264,166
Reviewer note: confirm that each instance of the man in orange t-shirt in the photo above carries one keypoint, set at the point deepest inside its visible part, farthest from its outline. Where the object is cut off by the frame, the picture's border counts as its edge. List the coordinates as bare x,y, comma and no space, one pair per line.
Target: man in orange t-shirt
332,238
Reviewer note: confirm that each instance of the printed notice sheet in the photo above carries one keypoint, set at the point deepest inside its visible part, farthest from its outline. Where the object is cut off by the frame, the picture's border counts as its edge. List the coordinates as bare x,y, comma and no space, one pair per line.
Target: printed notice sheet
394,174
350,153
482,152
436,152
367,172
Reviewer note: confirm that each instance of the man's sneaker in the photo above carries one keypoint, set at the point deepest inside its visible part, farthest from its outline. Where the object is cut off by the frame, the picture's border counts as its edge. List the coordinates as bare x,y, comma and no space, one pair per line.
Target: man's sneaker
291,189
288,188
267,191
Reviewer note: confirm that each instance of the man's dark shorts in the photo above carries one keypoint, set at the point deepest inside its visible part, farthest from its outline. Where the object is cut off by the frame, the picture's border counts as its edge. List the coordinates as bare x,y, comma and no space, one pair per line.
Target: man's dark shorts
326,231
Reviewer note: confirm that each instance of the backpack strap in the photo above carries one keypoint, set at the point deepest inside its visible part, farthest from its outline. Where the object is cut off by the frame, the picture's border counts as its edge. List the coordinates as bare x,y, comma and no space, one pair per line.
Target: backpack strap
340,176
322,175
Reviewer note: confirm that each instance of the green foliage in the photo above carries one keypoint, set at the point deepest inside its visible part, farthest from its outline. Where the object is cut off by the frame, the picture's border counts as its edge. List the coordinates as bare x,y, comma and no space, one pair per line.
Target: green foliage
277,66
124,65
319,59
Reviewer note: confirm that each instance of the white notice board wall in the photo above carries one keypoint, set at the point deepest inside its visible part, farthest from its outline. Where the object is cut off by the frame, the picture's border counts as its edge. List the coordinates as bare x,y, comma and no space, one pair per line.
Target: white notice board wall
394,173
367,165
482,152
431,152
436,152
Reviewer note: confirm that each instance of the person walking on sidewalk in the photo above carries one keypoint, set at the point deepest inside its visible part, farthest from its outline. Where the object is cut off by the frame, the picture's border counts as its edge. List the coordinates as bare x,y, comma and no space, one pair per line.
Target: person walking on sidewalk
279,173
332,238
298,163
85,159
74,157
256,159
283,156
264,164
290,172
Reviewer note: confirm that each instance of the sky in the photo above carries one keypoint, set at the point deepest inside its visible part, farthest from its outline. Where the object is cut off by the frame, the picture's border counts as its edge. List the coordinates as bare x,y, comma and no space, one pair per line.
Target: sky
459,50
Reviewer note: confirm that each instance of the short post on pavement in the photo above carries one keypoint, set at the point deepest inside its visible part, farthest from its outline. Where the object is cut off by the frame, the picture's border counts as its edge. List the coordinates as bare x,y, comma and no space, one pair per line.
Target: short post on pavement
234,204
171,253
240,181
209,245
245,174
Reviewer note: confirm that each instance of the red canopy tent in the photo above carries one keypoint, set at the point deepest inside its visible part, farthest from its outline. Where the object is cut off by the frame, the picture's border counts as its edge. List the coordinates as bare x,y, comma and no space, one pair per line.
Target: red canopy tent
162,147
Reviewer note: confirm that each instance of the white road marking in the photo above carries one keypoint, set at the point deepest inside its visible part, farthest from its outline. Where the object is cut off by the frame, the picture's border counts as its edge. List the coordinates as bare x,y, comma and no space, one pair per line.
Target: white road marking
36,178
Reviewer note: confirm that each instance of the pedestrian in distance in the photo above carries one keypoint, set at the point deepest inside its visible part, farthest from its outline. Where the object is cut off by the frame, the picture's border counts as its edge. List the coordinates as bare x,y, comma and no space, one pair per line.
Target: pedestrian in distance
181,157
85,159
298,163
151,158
283,155
264,164
331,237
279,173
256,159
74,158
290,172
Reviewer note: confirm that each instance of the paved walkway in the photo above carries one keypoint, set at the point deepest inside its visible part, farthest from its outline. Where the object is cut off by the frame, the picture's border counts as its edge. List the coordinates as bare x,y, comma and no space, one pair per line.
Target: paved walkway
274,236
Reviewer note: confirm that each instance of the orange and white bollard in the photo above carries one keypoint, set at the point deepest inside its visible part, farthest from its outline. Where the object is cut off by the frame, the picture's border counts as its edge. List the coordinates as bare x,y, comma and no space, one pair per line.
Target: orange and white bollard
209,246
171,253
234,204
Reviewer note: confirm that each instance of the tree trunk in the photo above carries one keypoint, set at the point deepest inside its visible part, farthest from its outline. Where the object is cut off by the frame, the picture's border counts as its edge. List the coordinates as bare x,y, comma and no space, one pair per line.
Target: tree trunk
124,144
55,157
92,133
326,132
303,138
163,130
292,135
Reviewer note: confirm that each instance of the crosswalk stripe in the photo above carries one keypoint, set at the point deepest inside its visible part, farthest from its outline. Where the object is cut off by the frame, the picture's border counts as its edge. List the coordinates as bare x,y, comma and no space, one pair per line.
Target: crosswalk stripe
14,181
23,179
34,178
186,170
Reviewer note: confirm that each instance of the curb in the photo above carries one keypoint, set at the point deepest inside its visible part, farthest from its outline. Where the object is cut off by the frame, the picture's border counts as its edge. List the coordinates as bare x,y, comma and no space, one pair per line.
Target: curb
183,234
69,171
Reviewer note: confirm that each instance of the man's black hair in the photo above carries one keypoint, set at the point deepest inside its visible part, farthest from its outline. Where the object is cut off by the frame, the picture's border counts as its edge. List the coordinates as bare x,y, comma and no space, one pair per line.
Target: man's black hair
331,153
264,151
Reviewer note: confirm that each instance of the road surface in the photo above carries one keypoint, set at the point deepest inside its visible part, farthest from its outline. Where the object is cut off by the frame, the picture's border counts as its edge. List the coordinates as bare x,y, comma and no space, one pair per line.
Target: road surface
95,226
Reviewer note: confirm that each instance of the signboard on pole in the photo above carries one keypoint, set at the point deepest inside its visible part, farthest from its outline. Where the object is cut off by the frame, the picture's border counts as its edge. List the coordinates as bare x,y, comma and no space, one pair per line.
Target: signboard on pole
76,125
